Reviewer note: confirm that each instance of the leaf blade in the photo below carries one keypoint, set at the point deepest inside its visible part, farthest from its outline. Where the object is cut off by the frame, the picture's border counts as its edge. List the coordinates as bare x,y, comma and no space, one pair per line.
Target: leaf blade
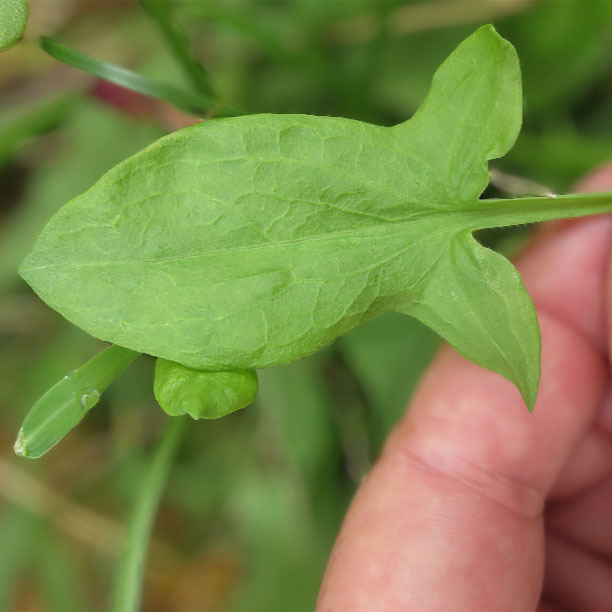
65,405
265,262
225,227
472,113
194,104
482,308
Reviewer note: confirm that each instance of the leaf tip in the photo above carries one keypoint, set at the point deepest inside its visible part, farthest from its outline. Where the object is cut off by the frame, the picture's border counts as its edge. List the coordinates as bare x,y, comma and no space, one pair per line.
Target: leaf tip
488,29
488,33
529,402
20,447
529,392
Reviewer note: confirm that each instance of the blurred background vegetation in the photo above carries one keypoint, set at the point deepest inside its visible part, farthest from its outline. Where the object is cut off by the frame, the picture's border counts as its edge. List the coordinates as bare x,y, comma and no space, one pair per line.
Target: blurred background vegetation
254,501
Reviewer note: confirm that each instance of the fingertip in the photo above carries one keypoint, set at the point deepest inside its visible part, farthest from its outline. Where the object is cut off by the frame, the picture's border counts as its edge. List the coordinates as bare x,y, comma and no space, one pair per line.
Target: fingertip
566,274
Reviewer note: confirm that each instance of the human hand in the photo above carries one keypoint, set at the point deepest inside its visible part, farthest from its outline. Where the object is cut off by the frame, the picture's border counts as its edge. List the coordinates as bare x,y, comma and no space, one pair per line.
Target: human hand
475,504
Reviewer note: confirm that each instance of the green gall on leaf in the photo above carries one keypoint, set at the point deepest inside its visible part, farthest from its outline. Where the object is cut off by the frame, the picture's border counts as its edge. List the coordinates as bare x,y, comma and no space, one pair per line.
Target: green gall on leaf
13,21
200,394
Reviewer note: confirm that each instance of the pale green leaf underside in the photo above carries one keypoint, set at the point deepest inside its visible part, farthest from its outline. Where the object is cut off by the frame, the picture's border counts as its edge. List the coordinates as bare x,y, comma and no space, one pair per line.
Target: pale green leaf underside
253,241
13,21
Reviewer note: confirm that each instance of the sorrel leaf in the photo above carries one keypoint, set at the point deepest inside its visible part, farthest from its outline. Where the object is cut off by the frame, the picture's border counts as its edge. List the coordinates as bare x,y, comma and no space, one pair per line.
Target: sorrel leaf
253,241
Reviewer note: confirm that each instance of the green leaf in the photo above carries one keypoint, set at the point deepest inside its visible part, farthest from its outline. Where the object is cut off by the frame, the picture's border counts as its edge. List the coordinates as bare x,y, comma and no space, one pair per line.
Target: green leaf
13,21
200,394
193,103
63,407
475,299
471,114
249,242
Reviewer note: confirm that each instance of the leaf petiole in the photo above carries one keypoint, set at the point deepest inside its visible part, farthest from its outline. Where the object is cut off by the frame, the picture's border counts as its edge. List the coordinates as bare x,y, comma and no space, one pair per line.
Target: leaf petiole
517,211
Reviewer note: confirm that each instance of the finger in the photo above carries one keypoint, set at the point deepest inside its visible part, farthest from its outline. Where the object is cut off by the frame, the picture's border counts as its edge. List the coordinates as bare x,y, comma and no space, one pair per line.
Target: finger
599,179
604,416
591,460
578,579
589,463
450,514
568,291
566,275
586,520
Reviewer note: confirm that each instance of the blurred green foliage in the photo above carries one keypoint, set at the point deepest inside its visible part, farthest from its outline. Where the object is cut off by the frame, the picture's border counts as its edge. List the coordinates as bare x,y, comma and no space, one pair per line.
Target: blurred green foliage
254,500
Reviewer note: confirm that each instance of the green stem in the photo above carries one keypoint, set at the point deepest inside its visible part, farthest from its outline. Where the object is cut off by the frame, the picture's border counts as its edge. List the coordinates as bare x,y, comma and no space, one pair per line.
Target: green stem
502,213
128,579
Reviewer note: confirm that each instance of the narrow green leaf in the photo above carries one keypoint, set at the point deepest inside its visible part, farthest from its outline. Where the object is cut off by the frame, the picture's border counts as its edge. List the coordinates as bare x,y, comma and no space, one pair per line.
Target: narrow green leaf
13,21
249,242
179,45
128,579
200,394
195,104
63,407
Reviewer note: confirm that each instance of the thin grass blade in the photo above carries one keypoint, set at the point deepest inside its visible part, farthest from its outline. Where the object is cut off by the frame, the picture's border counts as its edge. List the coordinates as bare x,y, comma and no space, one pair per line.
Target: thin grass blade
128,579
193,103
63,406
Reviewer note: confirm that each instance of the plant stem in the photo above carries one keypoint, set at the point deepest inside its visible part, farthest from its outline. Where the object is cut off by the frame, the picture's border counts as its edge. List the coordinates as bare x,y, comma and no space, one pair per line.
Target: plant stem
128,579
502,213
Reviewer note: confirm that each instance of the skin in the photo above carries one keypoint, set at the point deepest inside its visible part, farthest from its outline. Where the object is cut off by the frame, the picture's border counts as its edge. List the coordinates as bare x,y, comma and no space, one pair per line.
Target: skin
475,504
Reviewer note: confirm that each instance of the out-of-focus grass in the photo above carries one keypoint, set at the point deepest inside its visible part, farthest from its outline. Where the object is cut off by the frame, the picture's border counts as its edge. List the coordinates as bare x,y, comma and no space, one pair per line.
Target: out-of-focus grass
254,501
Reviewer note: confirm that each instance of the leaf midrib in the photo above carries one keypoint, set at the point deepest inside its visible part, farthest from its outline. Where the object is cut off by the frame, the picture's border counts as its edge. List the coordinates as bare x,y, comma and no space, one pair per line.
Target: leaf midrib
446,214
